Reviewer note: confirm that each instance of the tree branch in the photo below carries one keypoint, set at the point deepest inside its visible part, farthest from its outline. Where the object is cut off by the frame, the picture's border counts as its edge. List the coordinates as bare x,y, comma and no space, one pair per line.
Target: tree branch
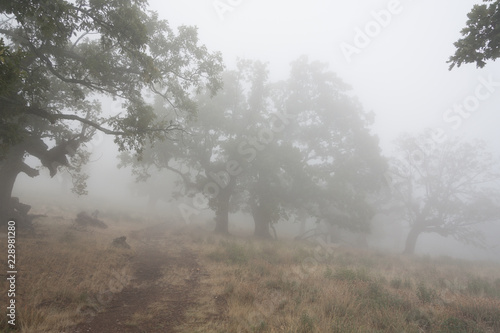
171,127
185,179
29,170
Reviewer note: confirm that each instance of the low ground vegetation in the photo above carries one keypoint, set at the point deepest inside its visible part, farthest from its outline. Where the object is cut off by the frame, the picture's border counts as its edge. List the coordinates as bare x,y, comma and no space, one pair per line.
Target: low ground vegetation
244,285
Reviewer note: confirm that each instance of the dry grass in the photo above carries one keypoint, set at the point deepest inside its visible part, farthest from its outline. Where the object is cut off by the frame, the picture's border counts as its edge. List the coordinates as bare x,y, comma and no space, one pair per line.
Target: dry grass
259,286
63,275
256,286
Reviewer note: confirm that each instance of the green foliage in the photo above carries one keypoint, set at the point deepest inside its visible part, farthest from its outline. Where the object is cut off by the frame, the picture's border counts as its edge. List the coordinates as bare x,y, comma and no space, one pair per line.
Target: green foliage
481,36
58,58
10,71
11,76
302,146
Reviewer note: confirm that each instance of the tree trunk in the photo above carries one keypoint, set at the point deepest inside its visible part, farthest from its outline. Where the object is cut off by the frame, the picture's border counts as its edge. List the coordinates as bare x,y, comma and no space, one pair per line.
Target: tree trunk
13,164
222,210
411,240
10,167
222,218
7,180
262,221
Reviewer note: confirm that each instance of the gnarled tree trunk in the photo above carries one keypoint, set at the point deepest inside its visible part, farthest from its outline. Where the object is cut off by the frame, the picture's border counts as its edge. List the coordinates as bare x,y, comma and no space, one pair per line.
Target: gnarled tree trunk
10,167
262,218
411,239
222,210
13,164
8,175
222,213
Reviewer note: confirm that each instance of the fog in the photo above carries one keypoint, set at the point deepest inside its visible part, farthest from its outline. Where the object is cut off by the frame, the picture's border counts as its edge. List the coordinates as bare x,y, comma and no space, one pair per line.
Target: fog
400,73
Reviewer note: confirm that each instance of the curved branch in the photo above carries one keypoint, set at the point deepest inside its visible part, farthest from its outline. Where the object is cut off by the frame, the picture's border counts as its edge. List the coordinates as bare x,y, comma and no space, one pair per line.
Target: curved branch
31,172
171,127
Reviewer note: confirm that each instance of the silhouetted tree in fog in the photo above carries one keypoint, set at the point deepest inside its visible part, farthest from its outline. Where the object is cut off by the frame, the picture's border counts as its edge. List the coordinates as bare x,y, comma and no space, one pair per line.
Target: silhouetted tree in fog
275,150
341,157
445,188
202,155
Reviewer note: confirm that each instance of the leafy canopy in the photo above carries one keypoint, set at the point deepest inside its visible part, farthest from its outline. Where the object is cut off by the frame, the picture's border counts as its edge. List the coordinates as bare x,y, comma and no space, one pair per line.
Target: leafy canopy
481,36
301,146
58,56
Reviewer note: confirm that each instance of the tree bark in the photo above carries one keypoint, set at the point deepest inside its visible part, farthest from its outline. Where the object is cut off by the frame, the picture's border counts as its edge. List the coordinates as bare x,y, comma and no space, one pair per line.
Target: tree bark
13,164
411,240
222,221
222,210
7,180
10,167
262,219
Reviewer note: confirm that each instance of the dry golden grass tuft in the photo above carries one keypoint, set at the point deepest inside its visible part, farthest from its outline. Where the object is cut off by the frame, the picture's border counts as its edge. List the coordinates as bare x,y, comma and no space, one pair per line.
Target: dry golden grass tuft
63,275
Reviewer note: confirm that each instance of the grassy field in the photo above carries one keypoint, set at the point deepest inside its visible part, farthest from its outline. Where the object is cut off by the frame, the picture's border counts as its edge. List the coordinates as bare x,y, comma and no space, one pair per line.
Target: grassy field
298,287
61,271
246,285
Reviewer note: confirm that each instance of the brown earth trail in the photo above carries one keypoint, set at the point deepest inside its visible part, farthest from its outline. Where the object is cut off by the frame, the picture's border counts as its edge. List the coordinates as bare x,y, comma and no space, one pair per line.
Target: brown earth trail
150,303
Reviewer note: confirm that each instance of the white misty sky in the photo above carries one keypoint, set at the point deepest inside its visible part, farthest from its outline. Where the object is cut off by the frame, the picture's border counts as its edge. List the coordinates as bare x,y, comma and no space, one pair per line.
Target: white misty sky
402,75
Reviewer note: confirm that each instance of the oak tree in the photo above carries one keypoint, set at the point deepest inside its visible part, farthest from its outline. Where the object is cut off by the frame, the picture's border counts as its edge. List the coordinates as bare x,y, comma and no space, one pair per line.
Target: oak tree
275,150
445,187
61,57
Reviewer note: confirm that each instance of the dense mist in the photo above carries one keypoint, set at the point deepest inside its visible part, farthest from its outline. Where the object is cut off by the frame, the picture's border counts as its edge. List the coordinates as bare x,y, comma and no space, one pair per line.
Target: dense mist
388,63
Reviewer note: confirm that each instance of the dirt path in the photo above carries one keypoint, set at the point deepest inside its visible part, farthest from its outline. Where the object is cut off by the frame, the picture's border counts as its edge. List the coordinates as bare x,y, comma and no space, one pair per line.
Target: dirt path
150,303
